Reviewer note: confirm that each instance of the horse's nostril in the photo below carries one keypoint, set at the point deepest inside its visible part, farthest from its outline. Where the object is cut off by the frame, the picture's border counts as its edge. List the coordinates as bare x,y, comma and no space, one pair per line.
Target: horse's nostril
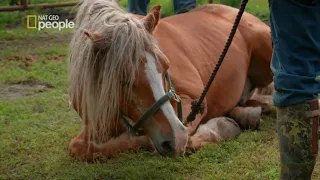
167,146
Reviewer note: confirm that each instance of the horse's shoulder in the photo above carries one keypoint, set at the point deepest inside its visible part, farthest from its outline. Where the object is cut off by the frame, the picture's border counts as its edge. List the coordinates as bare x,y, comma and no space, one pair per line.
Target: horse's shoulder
229,13
213,8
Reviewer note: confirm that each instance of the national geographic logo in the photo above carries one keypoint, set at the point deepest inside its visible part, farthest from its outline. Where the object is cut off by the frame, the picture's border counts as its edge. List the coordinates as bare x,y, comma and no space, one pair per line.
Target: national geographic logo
32,21
47,22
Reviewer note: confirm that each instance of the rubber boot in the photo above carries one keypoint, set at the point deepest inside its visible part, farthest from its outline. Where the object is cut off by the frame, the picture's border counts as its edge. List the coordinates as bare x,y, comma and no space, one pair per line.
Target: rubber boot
297,127
247,117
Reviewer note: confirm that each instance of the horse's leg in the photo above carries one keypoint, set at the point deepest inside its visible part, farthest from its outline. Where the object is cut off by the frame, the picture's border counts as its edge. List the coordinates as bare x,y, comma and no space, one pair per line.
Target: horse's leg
248,113
247,117
266,108
83,149
261,97
193,125
215,130
120,144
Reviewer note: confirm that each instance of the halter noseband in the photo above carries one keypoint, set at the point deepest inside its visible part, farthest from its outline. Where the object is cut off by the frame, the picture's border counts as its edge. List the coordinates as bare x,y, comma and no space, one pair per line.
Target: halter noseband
134,129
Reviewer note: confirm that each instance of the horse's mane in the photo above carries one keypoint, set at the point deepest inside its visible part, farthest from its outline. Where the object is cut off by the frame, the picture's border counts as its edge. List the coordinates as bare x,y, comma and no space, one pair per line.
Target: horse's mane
97,74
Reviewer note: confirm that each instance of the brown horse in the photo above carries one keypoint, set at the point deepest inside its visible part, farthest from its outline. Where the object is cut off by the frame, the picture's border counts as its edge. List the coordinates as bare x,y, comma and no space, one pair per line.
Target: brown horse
121,65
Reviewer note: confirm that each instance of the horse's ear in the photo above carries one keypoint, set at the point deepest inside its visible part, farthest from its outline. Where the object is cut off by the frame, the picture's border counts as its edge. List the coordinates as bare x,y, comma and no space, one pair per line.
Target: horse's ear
93,36
152,18
96,38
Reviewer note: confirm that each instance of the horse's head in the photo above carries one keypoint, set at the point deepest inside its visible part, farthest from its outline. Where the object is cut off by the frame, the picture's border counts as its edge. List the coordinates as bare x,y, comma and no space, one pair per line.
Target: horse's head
122,74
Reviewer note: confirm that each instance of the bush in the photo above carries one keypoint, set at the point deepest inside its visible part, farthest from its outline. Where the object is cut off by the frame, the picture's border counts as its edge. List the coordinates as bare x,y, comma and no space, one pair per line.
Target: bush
233,3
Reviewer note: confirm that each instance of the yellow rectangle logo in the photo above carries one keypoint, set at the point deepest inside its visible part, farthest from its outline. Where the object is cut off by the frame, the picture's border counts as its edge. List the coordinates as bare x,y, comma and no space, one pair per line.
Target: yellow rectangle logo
29,21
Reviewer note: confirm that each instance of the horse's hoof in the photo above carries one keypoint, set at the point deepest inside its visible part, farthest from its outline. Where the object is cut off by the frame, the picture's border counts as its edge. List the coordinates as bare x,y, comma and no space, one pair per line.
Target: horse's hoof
266,109
254,115
80,150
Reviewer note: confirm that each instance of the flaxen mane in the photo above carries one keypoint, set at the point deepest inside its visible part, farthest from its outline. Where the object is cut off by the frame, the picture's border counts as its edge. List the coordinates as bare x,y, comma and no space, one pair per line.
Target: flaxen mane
98,70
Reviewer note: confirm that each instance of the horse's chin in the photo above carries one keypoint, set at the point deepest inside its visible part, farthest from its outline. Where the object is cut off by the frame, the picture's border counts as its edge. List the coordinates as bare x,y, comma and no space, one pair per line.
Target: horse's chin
168,154
167,151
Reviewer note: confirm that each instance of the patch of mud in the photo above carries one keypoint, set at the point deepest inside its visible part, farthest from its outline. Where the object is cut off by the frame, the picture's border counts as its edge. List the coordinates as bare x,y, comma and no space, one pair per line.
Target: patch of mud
23,88
29,59
33,58
40,41
26,60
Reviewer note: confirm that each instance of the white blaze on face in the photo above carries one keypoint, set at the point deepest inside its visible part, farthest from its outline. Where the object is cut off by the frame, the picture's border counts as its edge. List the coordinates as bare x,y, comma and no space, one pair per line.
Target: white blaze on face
155,79
179,131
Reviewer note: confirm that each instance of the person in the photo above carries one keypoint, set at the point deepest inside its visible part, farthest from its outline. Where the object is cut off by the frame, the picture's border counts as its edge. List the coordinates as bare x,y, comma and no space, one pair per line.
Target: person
295,27
180,6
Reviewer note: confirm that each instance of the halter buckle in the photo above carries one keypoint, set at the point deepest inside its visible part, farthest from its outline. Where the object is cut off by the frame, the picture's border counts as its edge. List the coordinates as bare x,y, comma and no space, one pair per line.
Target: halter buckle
175,97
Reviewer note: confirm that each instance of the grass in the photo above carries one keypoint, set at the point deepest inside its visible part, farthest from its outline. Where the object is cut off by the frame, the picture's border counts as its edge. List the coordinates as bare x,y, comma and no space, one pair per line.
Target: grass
35,133
35,130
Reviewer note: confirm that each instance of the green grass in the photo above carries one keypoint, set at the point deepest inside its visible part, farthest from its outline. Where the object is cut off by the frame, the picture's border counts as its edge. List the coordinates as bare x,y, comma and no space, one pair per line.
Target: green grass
35,133
35,130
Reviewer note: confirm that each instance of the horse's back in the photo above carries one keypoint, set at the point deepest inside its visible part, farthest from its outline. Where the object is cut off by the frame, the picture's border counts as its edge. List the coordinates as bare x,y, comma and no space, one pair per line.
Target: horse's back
193,42
257,33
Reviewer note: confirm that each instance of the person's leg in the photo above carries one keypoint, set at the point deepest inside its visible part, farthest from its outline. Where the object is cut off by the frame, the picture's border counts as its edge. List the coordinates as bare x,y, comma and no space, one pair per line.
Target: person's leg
296,64
138,6
298,145
182,6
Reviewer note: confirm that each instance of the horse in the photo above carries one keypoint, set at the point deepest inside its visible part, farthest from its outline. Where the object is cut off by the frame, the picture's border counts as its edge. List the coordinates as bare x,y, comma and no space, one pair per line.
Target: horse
133,79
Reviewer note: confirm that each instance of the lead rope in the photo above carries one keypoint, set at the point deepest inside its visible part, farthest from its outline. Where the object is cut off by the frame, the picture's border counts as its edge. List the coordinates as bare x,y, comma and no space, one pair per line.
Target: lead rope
196,106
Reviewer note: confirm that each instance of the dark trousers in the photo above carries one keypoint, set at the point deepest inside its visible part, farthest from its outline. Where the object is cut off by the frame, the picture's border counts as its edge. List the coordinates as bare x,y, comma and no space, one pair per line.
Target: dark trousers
295,27
141,6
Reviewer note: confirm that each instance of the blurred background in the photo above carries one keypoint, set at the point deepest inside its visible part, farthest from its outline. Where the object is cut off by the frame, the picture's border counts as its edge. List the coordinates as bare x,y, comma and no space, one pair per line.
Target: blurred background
17,18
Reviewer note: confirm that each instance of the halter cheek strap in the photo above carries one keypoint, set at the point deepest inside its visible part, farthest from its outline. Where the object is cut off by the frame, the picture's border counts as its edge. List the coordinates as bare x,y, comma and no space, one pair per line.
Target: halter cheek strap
134,129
